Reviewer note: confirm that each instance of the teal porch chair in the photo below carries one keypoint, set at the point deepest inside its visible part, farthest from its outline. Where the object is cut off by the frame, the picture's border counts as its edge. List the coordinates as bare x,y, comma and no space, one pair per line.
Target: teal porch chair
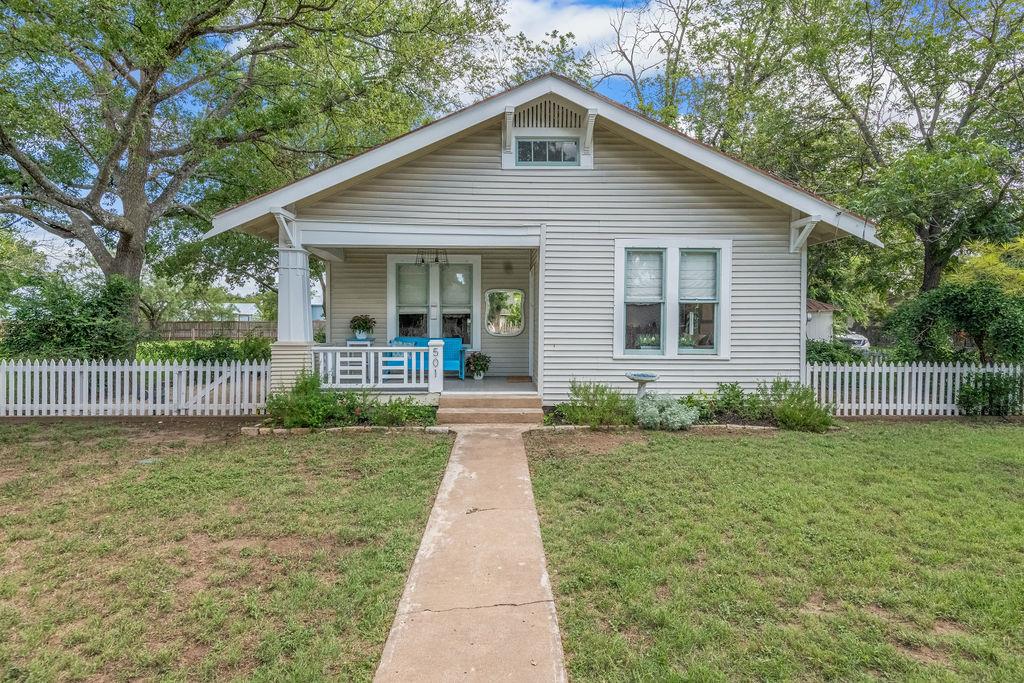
454,354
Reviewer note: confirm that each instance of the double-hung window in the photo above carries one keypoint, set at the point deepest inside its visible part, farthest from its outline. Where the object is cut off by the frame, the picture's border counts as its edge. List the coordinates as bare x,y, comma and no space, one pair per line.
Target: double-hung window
698,299
672,297
645,300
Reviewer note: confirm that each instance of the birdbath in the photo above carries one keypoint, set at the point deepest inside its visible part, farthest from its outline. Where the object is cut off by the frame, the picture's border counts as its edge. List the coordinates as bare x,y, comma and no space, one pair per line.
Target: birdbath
642,379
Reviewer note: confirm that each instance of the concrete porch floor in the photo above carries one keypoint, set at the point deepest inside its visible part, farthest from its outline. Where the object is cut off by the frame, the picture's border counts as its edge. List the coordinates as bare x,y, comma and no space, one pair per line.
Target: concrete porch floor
488,385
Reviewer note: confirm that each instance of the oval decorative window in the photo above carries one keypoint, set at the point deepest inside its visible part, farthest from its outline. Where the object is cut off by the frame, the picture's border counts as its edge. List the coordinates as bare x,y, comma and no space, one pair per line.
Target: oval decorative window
505,315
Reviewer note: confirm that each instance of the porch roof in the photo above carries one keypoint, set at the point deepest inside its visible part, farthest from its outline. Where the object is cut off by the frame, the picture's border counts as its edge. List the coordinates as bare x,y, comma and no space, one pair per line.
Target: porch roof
823,220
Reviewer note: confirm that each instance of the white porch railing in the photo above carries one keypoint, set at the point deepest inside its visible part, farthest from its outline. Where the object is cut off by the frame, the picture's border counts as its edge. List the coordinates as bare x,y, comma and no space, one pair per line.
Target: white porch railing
394,368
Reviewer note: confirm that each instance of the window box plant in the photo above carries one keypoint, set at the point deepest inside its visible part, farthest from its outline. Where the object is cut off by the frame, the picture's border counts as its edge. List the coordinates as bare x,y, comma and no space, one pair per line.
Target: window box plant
648,341
477,364
362,325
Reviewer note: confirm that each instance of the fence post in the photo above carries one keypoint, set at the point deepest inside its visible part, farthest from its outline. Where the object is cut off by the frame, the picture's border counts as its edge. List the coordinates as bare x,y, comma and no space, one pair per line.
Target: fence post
435,363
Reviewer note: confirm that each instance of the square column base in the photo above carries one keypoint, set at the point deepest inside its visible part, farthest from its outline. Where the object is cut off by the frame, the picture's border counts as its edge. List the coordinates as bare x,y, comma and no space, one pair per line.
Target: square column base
288,360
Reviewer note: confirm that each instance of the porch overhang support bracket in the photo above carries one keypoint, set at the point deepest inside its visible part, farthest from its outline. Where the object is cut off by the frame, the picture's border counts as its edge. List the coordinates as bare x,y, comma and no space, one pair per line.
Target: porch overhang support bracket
800,230
588,137
506,129
286,224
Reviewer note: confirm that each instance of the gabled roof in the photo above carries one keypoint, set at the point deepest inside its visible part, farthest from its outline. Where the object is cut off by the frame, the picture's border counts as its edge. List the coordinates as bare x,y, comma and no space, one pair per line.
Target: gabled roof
712,161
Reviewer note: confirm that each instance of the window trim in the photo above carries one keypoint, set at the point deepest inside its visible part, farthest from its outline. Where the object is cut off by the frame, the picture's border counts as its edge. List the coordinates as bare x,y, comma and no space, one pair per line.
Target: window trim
434,309
486,304
670,333
546,138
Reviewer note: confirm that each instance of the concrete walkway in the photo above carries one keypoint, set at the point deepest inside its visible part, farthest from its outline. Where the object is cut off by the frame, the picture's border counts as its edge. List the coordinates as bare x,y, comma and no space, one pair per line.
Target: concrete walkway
478,603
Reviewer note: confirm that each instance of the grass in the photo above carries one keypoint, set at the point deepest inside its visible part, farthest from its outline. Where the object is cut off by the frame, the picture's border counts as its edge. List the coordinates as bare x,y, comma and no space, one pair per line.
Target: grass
886,550
129,552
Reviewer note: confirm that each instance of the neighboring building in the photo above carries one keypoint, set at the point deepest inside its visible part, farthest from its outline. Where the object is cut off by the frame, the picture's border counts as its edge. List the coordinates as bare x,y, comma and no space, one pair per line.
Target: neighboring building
245,312
634,247
819,320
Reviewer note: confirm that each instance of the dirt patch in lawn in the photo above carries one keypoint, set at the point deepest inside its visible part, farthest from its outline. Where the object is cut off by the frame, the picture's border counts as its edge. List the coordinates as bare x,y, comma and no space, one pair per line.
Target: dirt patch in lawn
579,442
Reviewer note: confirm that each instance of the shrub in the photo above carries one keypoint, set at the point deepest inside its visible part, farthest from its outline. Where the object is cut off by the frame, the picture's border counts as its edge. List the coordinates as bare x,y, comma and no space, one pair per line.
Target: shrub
596,404
799,410
662,411
730,398
705,404
991,393
400,411
306,405
820,351
251,348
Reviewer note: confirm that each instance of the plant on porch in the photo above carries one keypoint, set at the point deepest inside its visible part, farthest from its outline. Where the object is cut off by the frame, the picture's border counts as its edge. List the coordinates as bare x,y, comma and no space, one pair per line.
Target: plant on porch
362,325
477,364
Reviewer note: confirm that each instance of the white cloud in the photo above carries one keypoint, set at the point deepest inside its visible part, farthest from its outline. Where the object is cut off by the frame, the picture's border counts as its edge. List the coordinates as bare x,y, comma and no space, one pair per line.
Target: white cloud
589,23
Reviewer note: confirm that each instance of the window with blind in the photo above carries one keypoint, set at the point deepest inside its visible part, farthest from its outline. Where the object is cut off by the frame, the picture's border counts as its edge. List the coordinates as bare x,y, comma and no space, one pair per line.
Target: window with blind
412,285
698,299
457,301
672,297
645,300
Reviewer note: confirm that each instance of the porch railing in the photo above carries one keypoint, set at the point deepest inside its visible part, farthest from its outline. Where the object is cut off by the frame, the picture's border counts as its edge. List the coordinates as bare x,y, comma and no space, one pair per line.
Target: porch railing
393,368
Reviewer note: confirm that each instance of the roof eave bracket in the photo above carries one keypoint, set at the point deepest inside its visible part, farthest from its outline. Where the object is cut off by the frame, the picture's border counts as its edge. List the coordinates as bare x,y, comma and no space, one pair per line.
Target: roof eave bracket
506,129
588,137
800,230
288,234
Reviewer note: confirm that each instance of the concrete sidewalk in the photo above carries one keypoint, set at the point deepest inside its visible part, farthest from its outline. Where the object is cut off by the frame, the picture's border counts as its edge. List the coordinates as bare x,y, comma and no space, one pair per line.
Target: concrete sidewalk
478,603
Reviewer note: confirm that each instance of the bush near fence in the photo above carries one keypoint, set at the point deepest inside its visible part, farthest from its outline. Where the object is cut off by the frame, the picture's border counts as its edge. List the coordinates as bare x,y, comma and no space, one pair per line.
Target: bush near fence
250,348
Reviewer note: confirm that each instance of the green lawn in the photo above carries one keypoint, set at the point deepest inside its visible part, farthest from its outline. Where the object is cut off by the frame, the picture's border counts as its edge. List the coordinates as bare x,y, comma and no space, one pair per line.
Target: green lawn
191,553
885,550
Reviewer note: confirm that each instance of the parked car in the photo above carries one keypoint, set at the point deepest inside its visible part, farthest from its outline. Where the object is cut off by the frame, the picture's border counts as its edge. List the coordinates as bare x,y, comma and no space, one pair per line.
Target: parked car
855,341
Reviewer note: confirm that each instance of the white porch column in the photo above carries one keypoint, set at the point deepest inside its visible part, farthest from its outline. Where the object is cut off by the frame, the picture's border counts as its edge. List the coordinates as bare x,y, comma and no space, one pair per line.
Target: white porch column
292,353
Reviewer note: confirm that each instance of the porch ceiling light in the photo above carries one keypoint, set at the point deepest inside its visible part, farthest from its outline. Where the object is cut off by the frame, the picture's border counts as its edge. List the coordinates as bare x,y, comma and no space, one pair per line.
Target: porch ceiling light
425,256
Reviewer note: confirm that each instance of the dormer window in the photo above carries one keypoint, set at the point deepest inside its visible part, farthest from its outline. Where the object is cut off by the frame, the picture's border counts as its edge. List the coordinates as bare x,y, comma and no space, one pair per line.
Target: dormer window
547,151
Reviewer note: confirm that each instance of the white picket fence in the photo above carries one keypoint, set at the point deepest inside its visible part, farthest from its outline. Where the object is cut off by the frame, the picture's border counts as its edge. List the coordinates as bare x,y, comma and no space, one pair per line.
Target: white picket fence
126,388
895,389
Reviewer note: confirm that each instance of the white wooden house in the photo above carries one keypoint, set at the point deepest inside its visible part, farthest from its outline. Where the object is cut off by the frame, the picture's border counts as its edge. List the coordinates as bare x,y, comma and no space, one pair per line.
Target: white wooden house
632,246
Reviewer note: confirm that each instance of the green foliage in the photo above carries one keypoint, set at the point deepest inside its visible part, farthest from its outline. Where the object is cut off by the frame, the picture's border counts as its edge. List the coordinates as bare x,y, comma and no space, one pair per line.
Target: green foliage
362,323
927,327
596,404
991,393
477,362
820,351
730,398
800,411
164,299
20,264
251,348
705,404
308,404
56,318
1002,264
663,411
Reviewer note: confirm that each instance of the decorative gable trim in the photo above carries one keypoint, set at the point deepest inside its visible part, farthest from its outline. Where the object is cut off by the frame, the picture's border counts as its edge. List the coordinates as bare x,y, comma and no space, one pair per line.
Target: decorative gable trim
548,117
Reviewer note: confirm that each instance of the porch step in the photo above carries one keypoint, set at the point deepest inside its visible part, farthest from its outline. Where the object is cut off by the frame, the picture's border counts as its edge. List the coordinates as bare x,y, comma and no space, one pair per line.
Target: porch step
489,401
489,415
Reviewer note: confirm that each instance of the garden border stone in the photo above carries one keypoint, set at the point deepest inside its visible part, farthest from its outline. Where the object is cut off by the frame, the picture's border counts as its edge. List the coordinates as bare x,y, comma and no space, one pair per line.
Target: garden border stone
299,431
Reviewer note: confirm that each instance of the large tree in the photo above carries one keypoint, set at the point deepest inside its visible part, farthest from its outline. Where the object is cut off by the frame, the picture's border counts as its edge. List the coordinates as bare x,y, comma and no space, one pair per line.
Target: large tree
117,117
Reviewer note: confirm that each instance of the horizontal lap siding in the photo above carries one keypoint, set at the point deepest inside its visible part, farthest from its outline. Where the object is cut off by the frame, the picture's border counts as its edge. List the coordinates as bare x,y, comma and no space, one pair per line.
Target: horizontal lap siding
632,192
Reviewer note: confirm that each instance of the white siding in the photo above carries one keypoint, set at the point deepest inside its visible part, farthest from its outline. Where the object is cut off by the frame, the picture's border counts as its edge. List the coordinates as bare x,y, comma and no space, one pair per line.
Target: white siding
359,286
631,192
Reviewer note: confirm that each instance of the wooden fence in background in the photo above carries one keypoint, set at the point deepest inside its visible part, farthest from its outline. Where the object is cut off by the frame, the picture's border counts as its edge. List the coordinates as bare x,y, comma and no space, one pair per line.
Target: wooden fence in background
126,388
895,389
179,330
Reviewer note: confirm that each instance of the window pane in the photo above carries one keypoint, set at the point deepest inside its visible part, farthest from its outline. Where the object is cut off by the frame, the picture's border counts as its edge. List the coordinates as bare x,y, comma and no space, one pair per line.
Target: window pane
569,151
412,324
412,284
457,285
540,150
523,148
554,150
644,275
697,326
504,312
457,325
643,327
698,275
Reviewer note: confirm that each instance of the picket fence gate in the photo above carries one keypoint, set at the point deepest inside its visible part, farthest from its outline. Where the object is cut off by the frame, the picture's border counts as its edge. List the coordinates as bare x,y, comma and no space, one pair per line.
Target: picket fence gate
896,389
125,388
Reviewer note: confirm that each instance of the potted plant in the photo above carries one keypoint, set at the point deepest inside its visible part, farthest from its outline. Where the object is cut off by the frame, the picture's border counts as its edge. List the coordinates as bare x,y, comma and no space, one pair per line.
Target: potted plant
362,325
477,364
648,341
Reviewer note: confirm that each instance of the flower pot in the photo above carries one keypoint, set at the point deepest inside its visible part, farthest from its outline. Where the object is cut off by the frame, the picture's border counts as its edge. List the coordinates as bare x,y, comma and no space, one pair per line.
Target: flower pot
362,334
478,375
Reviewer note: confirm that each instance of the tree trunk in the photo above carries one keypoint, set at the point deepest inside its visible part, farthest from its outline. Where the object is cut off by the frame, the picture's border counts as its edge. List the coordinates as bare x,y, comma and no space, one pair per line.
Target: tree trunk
934,264
127,262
